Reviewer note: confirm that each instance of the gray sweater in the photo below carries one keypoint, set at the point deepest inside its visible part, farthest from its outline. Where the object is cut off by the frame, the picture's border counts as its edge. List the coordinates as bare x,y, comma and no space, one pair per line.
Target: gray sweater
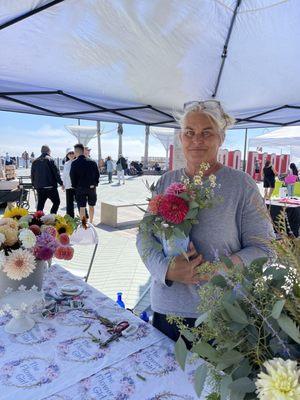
236,225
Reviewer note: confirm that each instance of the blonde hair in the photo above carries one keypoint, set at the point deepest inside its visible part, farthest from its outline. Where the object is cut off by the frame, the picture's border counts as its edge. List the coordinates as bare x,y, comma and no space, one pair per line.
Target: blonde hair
215,113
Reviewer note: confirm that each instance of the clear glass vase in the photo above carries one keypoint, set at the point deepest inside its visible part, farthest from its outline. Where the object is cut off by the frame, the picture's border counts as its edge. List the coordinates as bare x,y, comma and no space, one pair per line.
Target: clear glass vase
175,245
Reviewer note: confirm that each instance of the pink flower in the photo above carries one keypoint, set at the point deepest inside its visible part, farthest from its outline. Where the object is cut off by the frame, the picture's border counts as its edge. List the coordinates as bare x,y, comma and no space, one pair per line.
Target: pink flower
49,229
64,239
173,209
19,264
176,188
154,204
64,253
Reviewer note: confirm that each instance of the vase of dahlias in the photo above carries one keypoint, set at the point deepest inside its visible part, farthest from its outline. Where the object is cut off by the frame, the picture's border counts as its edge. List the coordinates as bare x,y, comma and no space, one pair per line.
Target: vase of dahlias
20,269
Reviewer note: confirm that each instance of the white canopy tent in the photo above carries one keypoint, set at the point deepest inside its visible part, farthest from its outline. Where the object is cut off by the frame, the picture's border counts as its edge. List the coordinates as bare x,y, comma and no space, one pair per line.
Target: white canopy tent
138,61
166,138
284,138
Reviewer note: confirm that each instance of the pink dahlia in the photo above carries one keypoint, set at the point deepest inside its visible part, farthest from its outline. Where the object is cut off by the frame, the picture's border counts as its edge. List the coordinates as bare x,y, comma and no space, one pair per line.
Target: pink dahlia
19,264
64,253
64,239
155,203
49,229
38,214
176,188
173,209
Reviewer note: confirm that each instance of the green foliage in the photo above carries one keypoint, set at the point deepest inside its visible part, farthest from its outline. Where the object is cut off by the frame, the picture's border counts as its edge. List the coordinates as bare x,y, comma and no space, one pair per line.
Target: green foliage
200,376
181,352
248,316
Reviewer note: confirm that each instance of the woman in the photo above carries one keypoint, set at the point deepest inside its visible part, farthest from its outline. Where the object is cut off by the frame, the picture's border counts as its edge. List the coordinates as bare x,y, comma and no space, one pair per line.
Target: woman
233,227
269,179
291,179
70,193
109,168
121,166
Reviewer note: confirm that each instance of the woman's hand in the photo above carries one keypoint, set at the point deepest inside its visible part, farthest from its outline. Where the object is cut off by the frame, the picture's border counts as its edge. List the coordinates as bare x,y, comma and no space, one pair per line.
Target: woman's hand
185,271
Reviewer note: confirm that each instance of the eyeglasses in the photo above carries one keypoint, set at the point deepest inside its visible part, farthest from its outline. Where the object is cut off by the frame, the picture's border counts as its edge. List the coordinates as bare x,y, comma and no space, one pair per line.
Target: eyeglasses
207,104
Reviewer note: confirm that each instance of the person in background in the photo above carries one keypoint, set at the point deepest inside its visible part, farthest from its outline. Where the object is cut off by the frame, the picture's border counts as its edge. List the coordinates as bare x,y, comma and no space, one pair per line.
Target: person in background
44,177
109,168
8,160
70,193
269,179
291,179
256,170
87,151
294,170
84,176
121,166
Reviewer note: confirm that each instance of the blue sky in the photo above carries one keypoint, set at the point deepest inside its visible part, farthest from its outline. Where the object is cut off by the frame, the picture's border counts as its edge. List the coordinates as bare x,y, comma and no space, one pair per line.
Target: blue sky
19,132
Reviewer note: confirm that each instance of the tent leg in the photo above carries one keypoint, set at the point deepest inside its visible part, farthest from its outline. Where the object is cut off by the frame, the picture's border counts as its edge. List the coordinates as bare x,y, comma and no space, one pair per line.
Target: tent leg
245,149
91,263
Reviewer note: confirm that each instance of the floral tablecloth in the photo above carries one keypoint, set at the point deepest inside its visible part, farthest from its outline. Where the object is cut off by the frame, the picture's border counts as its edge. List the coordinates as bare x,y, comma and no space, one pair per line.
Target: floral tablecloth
57,360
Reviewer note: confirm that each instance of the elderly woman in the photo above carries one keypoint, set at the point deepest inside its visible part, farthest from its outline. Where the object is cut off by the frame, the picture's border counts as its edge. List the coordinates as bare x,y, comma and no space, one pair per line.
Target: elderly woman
235,227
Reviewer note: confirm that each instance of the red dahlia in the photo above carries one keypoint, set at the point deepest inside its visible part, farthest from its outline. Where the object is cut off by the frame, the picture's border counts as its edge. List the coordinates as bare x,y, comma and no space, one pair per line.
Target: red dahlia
173,209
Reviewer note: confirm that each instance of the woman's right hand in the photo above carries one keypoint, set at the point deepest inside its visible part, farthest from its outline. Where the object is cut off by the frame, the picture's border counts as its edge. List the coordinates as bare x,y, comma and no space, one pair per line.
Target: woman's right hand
185,271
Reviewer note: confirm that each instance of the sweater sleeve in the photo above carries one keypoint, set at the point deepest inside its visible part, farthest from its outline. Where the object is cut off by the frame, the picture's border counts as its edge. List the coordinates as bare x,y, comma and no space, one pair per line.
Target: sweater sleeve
256,227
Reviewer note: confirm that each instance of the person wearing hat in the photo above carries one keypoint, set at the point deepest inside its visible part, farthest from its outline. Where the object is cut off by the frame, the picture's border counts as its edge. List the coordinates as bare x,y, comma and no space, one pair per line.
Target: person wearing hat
70,192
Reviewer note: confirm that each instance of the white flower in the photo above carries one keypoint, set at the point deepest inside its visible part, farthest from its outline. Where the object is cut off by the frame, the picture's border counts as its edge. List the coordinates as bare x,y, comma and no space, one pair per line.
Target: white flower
19,264
48,219
27,238
2,238
280,382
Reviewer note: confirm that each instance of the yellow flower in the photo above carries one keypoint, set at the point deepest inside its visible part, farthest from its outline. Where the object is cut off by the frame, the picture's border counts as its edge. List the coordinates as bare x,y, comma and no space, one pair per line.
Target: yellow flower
281,380
62,226
15,212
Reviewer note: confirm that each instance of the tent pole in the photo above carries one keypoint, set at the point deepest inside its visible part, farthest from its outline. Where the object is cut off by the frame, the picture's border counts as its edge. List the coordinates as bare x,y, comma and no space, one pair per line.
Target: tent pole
146,153
245,149
99,142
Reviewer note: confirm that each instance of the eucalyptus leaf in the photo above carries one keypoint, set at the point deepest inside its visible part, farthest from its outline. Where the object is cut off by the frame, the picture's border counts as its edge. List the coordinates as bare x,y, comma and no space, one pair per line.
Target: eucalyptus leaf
181,352
227,262
200,376
202,318
192,214
236,313
236,327
289,327
258,264
207,351
193,204
229,358
188,335
218,280
243,369
224,387
243,385
277,308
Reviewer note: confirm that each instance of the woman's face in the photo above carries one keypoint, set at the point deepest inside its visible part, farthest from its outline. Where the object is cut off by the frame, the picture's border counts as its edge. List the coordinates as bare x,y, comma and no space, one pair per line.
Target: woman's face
71,155
200,139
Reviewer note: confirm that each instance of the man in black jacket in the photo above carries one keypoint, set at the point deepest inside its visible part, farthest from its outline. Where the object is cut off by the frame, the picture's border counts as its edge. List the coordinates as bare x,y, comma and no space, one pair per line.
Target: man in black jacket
44,177
84,176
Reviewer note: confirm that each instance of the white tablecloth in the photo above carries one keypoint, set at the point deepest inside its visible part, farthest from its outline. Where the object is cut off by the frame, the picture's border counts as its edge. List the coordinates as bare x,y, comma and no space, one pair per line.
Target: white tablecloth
57,359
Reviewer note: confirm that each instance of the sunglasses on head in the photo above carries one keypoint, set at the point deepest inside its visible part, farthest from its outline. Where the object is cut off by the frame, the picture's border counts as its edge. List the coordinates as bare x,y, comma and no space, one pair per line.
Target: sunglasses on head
206,104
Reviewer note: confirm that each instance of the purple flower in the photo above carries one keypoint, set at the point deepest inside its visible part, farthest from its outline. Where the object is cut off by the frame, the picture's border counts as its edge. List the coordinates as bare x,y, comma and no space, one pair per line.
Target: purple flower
46,240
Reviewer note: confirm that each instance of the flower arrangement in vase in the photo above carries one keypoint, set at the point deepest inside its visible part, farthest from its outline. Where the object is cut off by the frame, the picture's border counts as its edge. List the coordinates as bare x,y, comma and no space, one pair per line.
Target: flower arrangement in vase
172,214
27,241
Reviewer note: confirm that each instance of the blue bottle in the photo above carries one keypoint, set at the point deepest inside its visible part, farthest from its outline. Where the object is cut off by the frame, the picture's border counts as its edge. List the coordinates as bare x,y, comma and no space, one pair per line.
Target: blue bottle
119,300
144,316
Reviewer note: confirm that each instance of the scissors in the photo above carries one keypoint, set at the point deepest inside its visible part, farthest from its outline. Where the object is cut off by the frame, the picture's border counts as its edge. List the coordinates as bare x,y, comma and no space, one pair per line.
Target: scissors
123,328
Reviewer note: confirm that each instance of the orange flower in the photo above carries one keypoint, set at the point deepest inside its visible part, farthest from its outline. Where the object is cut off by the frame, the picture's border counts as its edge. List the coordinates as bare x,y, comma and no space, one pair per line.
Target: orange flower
155,203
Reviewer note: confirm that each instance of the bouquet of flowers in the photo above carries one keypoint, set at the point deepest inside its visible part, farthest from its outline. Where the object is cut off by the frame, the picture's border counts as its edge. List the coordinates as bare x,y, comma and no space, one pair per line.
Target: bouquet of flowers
25,238
173,213
248,328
